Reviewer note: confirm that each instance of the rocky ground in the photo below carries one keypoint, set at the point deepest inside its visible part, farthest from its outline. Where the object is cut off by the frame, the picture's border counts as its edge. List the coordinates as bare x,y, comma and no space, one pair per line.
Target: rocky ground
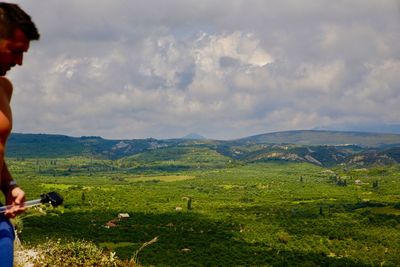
23,257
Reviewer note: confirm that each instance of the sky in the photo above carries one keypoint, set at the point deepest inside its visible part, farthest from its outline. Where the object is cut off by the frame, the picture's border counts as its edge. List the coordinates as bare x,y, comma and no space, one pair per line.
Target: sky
127,69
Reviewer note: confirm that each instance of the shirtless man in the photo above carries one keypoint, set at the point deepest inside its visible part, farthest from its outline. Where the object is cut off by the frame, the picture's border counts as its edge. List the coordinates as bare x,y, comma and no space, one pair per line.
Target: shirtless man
16,32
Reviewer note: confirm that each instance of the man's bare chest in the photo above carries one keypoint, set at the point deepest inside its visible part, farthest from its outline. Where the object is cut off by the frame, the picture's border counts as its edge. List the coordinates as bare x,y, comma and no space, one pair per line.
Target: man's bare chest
5,117
5,125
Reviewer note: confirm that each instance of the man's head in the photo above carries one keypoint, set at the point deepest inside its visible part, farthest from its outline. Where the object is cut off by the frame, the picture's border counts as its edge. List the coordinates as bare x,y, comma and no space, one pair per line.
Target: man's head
16,32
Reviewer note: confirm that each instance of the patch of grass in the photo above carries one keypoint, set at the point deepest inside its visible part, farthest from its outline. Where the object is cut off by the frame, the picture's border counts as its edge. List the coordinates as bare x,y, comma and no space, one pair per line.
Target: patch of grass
77,253
163,178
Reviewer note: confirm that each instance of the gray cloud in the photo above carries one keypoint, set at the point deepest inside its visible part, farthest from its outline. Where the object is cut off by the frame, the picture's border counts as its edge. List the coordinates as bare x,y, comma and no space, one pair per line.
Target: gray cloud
134,69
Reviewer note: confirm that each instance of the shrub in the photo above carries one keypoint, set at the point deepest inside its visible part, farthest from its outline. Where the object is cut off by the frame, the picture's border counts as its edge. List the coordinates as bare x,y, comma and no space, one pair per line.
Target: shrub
79,253
283,237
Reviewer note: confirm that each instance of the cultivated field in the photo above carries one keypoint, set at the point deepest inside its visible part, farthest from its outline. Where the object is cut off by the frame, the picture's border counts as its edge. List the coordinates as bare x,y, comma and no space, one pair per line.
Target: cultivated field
264,214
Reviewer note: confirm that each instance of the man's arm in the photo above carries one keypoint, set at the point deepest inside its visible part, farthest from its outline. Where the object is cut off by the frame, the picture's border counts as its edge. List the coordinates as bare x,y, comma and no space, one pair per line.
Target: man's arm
14,195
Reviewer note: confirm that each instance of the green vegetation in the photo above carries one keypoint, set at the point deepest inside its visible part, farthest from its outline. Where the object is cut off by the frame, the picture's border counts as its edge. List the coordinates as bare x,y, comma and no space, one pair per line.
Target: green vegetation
215,212
320,148
81,253
174,159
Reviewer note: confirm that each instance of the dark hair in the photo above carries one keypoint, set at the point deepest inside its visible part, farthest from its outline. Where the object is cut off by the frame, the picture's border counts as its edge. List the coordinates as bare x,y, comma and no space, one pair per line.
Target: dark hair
13,17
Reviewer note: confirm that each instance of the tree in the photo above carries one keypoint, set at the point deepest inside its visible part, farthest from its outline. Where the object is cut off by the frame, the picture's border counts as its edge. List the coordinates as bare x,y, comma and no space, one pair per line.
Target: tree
189,203
83,197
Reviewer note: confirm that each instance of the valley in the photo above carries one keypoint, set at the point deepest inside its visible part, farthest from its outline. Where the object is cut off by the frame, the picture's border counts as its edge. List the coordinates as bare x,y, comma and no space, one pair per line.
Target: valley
204,203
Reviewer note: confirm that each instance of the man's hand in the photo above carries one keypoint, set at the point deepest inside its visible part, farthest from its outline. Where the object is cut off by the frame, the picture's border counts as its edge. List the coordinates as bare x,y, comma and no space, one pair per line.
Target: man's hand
16,198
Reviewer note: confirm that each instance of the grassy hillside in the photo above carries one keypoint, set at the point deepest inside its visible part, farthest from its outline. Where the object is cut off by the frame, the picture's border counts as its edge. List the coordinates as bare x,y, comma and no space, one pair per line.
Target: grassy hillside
47,145
145,154
43,145
176,158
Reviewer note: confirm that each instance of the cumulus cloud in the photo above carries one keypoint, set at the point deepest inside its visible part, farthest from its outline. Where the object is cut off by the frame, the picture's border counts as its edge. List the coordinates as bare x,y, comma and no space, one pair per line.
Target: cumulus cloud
124,69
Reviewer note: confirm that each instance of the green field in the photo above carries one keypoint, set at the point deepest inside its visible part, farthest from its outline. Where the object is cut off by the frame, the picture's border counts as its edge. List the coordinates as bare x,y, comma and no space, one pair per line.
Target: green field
261,214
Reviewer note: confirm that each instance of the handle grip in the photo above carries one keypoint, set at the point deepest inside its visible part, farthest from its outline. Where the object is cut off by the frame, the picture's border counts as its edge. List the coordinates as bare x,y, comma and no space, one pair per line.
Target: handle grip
53,198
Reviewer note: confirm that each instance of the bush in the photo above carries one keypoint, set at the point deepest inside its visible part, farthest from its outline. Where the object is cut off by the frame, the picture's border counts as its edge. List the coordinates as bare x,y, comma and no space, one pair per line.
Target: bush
79,253
283,237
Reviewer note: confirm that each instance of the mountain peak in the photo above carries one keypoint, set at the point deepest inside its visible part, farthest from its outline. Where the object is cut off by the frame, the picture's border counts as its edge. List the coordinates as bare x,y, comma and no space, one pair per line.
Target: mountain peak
194,136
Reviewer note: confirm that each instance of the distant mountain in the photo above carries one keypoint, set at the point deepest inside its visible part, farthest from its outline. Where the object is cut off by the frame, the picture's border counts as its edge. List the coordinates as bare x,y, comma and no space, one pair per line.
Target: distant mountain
49,145
193,136
363,127
323,148
314,137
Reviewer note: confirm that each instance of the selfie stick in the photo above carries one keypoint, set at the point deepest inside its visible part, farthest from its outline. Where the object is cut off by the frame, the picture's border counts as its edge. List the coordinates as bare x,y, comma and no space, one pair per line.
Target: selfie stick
53,198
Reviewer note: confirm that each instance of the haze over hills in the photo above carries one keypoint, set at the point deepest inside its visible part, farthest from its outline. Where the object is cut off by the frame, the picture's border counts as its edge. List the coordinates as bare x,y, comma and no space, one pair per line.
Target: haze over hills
318,137
324,148
194,136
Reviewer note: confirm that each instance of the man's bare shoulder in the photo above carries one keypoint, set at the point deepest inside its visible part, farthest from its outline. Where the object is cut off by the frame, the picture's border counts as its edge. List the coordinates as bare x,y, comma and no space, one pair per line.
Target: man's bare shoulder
6,87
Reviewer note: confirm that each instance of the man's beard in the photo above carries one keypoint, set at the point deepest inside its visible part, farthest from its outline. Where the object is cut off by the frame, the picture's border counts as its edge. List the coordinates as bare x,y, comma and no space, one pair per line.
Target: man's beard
3,70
